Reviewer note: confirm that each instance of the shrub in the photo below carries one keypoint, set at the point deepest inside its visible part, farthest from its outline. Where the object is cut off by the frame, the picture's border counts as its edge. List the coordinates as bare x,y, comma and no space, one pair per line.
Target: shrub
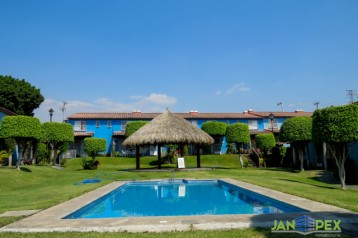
43,154
89,164
3,157
63,162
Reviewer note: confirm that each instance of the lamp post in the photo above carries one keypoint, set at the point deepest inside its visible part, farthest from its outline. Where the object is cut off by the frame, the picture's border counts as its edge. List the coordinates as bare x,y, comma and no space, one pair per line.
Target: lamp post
272,116
51,111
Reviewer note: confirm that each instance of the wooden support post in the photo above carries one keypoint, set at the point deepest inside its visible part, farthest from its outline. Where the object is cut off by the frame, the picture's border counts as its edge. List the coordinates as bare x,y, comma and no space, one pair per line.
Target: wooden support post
137,157
181,149
198,156
159,156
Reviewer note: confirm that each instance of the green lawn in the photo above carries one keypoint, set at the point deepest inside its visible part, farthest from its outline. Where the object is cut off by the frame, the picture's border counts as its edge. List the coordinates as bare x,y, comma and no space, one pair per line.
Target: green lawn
40,187
249,233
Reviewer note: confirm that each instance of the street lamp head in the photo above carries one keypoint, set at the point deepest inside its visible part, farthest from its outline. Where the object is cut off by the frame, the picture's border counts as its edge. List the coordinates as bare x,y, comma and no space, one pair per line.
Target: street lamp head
271,116
51,111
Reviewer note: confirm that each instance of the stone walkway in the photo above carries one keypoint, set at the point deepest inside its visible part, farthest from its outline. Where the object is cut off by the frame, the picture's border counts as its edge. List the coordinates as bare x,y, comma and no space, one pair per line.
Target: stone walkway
19,213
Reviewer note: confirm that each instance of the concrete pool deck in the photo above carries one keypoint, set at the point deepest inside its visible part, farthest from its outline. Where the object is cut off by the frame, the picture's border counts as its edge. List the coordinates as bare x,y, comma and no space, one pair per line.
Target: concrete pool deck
50,220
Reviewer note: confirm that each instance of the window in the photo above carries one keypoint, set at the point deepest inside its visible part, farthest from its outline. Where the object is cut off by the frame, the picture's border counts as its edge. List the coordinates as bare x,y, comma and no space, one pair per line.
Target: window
97,124
253,125
109,123
80,126
124,125
273,125
194,123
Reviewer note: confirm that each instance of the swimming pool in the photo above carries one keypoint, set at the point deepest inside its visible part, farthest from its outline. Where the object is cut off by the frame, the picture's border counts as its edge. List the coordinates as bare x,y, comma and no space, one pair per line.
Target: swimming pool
180,198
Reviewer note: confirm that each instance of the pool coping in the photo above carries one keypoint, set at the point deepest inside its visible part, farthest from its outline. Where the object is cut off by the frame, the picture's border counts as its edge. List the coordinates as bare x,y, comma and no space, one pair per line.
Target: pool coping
50,220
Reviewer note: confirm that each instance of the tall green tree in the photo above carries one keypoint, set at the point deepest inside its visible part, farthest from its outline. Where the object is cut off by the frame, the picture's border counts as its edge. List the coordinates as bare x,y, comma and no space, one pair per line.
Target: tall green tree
336,126
239,134
265,142
215,129
19,96
297,131
24,129
56,135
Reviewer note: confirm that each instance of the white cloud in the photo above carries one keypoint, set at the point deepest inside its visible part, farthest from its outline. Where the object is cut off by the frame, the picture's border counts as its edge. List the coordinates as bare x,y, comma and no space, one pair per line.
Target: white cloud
136,97
236,88
152,103
240,87
161,99
218,92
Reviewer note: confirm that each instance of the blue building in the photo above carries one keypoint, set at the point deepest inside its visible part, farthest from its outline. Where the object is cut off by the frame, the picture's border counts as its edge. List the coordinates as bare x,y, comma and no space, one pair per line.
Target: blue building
3,113
112,126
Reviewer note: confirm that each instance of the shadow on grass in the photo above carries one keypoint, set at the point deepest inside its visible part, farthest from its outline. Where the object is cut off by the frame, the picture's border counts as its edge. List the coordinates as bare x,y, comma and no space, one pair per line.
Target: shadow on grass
294,181
25,170
289,170
329,181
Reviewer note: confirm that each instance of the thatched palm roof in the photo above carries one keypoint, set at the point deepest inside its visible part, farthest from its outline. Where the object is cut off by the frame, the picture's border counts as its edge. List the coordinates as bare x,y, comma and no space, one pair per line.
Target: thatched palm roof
168,128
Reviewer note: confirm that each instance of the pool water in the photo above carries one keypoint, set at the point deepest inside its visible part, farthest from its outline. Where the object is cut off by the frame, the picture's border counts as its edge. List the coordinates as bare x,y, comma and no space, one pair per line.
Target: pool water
180,198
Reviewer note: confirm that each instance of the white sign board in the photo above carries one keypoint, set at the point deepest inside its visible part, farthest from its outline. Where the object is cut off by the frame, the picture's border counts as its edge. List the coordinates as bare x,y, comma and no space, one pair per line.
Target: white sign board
181,163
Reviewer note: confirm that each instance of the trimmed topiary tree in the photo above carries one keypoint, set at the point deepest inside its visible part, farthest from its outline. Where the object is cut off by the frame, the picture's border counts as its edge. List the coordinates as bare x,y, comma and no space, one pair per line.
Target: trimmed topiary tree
336,126
56,135
239,134
215,129
133,126
23,129
92,146
265,142
297,131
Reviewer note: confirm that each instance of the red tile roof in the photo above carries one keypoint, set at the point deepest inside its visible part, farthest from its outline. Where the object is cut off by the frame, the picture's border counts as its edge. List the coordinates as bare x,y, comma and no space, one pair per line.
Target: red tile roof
119,133
7,112
104,115
282,114
83,134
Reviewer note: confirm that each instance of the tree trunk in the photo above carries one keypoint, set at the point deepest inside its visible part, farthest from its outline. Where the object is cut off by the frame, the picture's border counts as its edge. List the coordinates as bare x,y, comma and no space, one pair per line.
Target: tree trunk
32,153
307,152
240,159
55,152
324,145
338,151
18,162
10,159
293,156
265,157
301,154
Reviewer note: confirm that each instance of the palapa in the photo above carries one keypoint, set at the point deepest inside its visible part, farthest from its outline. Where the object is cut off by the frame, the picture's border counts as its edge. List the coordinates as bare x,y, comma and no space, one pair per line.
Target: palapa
168,128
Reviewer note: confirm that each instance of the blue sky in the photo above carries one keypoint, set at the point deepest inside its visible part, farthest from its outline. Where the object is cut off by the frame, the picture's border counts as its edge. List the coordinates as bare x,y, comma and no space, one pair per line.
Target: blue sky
205,55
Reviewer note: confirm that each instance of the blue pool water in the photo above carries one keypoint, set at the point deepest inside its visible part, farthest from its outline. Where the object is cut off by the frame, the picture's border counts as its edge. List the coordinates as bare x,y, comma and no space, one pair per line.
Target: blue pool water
179,198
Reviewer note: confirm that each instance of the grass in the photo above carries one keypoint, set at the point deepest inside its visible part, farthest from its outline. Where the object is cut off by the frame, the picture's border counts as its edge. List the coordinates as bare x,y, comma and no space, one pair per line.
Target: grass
40,187
235,233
